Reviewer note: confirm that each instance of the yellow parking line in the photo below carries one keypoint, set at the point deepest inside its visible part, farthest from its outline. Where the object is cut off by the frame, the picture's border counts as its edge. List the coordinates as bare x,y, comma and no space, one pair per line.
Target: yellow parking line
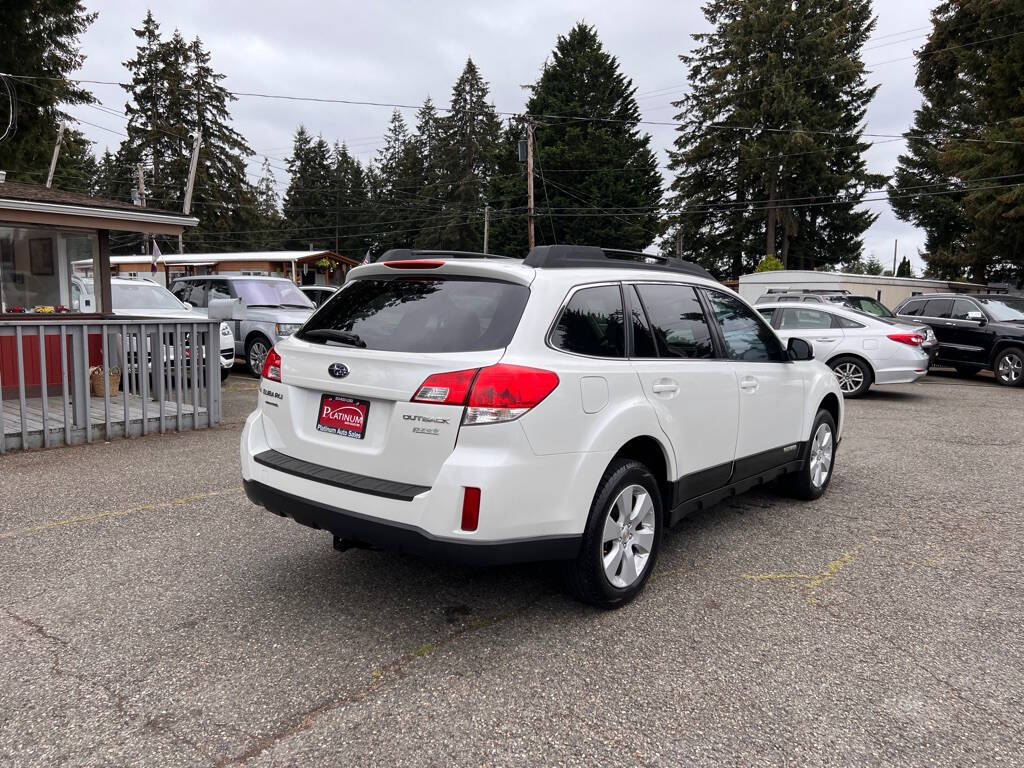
180,501
807,581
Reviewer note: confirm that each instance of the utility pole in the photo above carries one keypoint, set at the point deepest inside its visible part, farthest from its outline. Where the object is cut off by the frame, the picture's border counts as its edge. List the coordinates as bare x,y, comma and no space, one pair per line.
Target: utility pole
487,224
142,201
895,245
187,207
679,242
56,154
529,183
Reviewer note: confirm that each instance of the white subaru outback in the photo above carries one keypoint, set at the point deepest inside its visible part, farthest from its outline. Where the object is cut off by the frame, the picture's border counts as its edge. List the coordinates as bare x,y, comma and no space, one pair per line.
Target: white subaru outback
567,406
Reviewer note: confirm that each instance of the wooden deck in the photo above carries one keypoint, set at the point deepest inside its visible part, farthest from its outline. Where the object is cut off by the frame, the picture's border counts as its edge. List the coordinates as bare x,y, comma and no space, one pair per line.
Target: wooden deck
173,419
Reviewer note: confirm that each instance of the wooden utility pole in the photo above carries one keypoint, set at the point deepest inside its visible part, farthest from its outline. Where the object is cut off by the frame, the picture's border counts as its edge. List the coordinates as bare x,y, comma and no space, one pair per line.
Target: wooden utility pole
187,207
139,171
487,224
56,154
895,246
529,183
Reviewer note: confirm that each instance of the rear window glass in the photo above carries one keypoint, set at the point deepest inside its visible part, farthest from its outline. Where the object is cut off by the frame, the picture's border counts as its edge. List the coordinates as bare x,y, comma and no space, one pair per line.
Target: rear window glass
591,324
425,314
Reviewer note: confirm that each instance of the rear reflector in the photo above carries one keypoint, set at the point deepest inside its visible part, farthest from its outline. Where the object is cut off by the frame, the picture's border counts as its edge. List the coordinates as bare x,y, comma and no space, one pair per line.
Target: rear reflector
913,339
272,366
494,394
414,264
471,509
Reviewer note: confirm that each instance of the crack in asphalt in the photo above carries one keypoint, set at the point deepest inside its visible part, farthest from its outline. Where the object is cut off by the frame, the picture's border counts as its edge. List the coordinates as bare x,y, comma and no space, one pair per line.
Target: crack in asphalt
393,671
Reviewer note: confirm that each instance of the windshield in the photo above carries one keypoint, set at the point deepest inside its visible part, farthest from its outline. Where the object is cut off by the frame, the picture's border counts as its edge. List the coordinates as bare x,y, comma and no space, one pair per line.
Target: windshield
271,293
143,296
1005,308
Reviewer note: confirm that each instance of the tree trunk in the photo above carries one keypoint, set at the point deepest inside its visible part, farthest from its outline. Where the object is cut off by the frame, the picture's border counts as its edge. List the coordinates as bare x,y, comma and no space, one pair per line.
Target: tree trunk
772,215
737,256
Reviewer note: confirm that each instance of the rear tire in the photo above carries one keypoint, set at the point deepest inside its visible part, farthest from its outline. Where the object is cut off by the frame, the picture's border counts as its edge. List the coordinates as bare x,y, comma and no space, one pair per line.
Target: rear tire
1009,367
622,539
853,374
812,479
224,373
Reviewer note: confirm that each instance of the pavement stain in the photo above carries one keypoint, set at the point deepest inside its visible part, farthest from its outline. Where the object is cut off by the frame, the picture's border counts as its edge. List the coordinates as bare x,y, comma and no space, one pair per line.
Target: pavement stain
810,582
86,519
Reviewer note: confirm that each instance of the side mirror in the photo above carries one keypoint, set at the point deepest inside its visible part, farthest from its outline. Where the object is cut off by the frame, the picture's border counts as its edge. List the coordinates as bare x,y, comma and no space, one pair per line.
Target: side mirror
976,316
187,306
798,349
226,309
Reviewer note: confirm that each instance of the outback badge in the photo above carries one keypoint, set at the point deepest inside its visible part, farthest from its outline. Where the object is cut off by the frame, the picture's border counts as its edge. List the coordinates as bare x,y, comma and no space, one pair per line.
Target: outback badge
338,370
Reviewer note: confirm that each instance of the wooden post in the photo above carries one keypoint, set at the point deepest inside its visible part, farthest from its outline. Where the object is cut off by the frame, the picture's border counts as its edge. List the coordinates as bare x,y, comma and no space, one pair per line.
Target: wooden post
56,154
102,283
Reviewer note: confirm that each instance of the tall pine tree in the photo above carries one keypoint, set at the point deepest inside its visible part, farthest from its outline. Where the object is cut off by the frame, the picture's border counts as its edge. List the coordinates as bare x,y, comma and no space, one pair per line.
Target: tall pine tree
959,178
40,39
769,157
309,201
597,179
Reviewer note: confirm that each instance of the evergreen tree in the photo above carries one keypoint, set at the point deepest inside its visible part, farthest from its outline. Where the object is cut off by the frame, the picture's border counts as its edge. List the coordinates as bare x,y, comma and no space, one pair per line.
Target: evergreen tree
40,38
399,199
77,168
354,215
772,125
309,200
904,270
267,210
469,137
603,166
873,266
968,140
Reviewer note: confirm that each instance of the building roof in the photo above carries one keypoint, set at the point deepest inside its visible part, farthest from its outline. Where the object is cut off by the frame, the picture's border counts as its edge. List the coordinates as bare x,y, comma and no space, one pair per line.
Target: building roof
195,259
16,196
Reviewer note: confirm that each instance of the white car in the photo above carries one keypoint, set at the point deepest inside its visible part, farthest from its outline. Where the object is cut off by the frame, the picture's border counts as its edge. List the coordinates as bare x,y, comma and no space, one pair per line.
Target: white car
861,349
494,410
143,298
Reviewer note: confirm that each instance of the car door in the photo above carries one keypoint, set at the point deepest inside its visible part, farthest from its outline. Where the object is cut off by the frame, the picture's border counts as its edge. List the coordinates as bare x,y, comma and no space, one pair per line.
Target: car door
969,340
692,389
936,314
814,326
771,387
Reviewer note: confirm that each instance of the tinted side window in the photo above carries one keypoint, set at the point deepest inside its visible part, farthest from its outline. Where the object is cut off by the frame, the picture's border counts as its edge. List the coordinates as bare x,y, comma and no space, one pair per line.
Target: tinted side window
767,314
677,319
643,339
796,319
960,309
591,324
912,308
218,289
938,308
843,322
746,335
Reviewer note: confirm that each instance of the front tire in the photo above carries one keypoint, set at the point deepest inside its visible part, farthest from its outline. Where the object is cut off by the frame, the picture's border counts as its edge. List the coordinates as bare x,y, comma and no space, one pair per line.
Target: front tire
853,374
224,373
256,350
622,539
1009,367
812,479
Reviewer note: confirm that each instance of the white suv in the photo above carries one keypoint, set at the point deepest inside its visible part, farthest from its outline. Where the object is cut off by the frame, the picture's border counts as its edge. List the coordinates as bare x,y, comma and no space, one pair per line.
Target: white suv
495,410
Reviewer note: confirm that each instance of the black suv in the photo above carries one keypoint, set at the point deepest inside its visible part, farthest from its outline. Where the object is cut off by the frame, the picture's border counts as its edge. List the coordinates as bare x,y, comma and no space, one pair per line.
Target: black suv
974,332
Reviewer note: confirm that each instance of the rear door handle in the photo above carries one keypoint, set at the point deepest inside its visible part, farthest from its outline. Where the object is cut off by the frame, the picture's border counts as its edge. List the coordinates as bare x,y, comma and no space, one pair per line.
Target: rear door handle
749,384
664,388
827,338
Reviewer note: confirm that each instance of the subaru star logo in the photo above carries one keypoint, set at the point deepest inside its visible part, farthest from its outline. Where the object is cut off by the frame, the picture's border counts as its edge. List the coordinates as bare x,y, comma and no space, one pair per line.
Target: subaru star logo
338,370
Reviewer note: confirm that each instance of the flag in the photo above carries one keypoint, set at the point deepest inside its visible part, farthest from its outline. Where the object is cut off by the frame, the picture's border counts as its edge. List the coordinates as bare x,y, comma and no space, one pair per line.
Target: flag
156,255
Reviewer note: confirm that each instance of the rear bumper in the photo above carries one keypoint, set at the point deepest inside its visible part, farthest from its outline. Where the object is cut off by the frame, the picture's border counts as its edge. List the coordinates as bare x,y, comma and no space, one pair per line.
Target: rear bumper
399,537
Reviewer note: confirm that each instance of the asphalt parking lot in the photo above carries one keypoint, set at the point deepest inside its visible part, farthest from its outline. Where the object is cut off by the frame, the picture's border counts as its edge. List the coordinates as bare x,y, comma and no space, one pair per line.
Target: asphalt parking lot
149,615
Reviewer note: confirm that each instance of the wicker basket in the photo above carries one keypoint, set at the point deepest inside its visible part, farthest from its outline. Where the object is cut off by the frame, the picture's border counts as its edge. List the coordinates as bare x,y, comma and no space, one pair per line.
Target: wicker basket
96,380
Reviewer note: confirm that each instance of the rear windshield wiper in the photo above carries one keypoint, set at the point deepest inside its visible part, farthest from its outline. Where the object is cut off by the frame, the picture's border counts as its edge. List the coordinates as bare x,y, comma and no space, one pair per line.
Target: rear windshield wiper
330,334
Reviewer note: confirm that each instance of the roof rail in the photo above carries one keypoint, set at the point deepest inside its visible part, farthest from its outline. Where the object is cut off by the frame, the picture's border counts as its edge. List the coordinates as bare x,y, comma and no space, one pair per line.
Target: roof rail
410,254
572,256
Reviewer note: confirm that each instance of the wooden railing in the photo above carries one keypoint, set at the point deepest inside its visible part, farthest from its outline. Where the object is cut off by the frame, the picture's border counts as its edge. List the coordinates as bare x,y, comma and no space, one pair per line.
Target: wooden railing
68,381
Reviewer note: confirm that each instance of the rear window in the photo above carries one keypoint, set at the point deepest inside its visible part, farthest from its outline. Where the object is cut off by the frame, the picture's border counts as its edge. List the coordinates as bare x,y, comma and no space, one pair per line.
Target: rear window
425,314
591,323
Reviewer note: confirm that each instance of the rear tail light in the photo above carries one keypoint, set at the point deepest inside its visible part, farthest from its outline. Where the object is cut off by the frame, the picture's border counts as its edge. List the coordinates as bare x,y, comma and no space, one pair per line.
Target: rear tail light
913,339
414,264
272,366
470,509
494,394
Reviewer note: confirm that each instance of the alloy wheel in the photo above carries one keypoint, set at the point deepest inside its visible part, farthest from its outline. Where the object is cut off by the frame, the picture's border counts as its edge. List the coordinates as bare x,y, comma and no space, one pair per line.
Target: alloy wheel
628,536
821,455
1011,368
257,355
850,377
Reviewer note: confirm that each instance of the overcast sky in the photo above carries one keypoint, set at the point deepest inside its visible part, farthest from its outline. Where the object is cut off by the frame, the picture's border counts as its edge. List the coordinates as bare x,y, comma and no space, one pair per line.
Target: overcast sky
403,51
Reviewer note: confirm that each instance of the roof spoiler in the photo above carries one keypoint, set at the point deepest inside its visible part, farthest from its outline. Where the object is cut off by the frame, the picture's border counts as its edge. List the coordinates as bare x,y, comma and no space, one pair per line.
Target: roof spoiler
412,254
574,256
